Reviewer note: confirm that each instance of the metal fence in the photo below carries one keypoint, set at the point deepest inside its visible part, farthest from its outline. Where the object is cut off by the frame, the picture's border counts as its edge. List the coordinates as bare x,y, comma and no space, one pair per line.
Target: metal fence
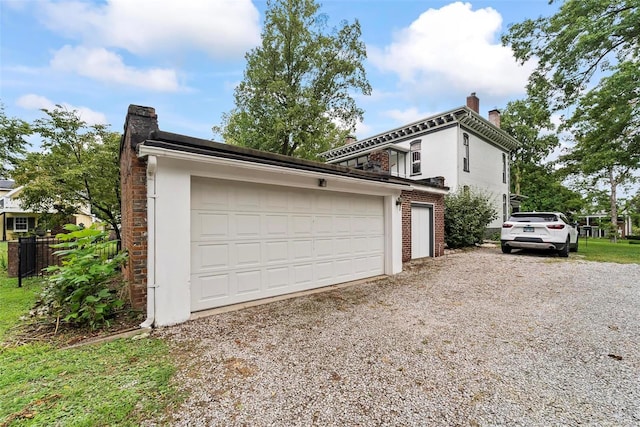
35,254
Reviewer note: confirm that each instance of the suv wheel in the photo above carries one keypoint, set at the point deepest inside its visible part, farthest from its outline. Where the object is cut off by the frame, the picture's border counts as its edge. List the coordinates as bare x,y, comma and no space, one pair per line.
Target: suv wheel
574,248
564,252
505,249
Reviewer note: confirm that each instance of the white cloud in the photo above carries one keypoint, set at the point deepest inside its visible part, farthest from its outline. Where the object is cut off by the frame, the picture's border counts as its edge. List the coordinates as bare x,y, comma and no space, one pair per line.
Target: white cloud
106,66
454,47
222,28
37,102
407,115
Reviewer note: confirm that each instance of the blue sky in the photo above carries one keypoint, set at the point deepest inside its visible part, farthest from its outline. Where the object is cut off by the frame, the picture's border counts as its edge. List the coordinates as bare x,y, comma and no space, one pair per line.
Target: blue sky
184,57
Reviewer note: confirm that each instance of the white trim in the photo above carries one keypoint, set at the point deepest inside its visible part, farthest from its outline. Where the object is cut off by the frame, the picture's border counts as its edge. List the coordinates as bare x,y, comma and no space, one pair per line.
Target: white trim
338,181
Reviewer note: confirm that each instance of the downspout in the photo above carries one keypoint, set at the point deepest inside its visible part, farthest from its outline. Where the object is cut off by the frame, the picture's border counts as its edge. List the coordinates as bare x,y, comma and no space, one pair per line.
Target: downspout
152,167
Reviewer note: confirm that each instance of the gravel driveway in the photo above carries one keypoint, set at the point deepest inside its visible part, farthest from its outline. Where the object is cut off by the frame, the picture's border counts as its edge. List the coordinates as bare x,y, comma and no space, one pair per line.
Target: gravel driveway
472,338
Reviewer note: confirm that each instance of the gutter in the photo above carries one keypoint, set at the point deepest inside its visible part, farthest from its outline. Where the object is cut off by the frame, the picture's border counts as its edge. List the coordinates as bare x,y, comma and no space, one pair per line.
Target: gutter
152,167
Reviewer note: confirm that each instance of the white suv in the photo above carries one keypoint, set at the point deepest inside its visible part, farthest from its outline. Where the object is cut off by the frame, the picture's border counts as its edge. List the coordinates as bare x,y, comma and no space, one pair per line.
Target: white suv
539,230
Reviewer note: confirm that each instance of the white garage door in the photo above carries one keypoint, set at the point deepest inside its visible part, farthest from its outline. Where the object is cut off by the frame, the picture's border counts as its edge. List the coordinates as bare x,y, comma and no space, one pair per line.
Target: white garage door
251,241
421,229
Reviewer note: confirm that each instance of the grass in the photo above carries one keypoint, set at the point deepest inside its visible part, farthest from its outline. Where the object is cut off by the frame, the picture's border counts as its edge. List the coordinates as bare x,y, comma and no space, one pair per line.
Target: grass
117,383
602,250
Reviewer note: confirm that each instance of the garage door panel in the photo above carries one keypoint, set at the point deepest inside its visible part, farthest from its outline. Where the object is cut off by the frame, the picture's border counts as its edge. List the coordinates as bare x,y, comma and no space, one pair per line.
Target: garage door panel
209,257
322,224
247,225
213,286
277,251
277,277
302,225
324,248
210,225
276,225
248,254
302,274
248,281
302,250
264,240
343,268
342,225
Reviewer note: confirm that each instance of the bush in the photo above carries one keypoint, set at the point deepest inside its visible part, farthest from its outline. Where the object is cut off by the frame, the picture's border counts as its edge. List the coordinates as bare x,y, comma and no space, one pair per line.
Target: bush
630,237
84,289
466,216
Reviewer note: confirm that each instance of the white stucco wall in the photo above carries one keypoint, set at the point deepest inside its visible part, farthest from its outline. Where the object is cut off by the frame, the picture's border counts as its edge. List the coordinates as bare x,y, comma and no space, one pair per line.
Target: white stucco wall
485,171
169,218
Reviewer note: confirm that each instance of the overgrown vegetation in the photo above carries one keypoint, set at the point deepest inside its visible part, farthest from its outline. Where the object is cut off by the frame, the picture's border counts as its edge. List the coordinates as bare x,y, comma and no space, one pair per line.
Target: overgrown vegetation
118,383
83,291
466,216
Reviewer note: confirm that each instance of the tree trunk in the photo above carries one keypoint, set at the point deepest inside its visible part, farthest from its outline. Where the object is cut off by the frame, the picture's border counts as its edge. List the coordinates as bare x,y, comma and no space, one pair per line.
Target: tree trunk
614,208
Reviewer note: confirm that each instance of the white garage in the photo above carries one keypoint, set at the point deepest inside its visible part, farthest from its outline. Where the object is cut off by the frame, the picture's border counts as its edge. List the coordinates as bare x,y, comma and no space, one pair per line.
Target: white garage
251,241
209,225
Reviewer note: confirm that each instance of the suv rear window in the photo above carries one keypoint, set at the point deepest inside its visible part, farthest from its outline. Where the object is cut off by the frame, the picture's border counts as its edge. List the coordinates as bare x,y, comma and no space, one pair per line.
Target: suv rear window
533,217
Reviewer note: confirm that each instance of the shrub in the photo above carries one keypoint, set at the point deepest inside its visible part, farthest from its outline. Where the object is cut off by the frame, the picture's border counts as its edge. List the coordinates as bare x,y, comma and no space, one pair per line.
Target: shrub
84,289
466,216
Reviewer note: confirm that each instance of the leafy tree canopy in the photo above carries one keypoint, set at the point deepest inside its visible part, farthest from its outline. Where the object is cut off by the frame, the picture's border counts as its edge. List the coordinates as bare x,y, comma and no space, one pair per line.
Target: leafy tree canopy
606,128
583,38
296,95
12,141
530,123
78,166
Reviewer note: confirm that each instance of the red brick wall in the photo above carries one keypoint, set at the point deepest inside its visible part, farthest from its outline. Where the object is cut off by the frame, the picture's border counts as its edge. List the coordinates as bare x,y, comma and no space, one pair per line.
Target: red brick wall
382,157
438,228
139,123
12,259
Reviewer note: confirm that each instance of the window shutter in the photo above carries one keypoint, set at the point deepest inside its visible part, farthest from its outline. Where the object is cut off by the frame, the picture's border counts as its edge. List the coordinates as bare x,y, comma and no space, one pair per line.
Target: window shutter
31,223
9,223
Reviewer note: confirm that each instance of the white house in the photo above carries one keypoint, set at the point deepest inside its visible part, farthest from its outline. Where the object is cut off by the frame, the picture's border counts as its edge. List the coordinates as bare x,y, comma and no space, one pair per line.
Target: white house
459,145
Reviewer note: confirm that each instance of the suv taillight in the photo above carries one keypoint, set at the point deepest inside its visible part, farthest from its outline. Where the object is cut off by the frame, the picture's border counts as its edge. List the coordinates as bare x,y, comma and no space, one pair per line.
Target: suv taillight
556,226
505,225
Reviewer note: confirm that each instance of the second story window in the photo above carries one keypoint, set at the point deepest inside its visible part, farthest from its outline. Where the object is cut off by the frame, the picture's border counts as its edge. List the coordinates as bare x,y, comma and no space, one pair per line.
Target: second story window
415,158
465,159
504,168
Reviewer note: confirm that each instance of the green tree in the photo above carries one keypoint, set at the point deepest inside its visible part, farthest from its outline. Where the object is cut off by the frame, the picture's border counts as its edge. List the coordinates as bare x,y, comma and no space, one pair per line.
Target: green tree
583,40
545,191
606,128
296,95
12,141
78,166
530,123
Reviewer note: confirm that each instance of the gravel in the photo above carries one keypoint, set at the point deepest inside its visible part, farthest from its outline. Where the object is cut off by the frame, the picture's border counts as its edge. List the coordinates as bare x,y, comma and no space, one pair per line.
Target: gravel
472,338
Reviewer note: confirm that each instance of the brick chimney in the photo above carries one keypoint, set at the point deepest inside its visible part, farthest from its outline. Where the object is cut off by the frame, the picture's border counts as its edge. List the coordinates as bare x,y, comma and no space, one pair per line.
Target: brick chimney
139,123
350,139
494,117
473,102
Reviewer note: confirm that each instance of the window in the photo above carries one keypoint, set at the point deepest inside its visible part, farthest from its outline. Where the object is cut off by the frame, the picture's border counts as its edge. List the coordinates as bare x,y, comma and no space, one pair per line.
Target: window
20,224
465,160
415,157
504,168
504,207
396,163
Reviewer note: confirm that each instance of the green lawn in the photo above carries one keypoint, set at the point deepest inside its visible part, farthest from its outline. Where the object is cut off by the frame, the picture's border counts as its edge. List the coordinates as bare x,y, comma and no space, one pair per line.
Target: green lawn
117,383
603,250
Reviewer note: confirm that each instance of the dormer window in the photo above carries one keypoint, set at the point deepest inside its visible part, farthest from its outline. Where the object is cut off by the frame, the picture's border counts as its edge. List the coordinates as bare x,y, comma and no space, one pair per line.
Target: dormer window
465,159
415,157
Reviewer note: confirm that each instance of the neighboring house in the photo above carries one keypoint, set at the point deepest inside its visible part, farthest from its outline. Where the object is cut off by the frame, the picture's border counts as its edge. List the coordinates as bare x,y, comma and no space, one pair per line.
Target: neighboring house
209,224
598,225
15,221
459,145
